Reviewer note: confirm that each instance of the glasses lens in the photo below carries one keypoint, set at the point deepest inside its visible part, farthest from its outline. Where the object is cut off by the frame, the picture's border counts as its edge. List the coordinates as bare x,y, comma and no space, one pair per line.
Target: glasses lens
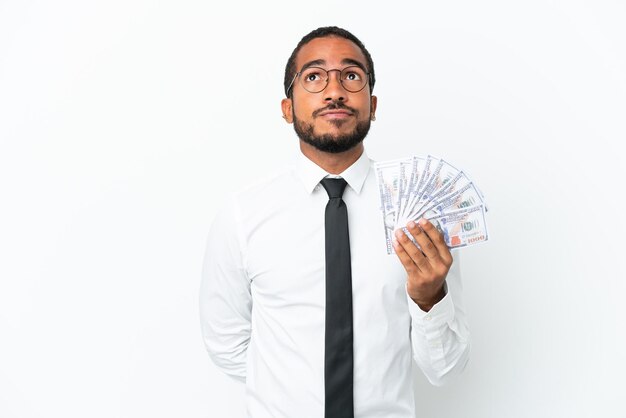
314,79
353,79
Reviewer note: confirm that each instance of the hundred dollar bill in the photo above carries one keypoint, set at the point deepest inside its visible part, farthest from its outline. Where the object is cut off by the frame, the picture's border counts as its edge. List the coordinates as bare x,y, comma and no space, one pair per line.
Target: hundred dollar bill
387,175
458,181
429,168
403,168
414,173
443,173
463,227
465,197
424,173
441,182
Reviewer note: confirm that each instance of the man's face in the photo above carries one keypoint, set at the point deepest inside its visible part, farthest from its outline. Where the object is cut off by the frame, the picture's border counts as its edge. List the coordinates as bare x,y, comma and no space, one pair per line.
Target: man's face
335,119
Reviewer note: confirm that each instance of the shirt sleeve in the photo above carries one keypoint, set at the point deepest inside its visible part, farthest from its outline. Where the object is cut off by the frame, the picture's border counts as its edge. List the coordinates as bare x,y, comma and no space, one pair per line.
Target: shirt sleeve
440,337
225,298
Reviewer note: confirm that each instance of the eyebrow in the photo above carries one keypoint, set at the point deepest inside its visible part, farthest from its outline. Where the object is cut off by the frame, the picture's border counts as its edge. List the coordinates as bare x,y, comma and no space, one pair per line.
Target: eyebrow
313,63
345,61
350,61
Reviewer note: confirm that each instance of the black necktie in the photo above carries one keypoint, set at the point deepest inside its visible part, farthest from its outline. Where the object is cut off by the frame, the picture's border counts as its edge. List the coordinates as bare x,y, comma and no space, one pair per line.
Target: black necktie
338,360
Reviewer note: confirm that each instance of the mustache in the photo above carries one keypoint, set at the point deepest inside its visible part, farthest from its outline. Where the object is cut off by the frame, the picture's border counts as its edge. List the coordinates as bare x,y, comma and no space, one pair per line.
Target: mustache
336,106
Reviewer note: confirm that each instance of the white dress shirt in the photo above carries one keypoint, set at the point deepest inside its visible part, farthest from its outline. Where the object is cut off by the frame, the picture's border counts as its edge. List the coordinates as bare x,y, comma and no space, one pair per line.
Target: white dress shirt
262,300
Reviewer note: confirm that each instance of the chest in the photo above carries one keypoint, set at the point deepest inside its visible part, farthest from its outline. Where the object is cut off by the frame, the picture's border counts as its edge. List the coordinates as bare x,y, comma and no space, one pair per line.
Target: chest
286,255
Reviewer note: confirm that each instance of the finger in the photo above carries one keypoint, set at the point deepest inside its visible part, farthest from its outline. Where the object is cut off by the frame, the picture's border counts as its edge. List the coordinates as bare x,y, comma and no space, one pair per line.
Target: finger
428,248
437,239
405,259
413,251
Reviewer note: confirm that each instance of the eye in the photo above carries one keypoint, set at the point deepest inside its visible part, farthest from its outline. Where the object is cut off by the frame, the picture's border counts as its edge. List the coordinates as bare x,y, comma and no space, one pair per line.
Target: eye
312,76
352,76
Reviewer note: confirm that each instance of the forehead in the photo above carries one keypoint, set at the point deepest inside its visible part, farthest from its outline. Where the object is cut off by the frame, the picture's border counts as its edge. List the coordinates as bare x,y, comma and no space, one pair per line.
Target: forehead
332,50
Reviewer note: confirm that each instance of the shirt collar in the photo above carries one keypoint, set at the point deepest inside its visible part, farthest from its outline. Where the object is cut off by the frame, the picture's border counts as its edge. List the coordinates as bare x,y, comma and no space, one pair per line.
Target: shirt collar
311,174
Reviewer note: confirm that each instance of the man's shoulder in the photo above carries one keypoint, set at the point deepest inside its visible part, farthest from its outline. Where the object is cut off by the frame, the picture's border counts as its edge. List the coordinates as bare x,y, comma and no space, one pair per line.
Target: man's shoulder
273,182
269,181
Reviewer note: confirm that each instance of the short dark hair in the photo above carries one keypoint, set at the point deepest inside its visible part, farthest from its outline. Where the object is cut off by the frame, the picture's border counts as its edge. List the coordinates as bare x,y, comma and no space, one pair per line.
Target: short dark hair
290,68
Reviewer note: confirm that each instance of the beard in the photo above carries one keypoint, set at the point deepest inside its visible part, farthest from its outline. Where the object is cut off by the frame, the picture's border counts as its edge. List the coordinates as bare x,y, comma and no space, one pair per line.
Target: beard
332,143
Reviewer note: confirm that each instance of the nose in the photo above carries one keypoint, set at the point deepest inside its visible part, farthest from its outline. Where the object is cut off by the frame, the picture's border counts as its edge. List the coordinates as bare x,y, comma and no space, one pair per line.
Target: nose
334,90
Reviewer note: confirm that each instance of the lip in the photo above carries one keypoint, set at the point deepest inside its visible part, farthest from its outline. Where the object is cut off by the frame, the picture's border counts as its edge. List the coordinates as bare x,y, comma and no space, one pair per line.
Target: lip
336,114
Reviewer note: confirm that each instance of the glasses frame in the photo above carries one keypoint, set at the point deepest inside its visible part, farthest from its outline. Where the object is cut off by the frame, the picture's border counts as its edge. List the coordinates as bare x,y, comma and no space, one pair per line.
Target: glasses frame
368,80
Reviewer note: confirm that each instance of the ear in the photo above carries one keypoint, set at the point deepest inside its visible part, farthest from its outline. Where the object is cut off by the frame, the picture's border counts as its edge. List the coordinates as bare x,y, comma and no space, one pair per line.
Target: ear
373,104
287,108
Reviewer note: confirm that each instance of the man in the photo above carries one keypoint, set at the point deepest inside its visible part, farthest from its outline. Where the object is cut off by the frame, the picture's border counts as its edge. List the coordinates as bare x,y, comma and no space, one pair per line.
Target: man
299,298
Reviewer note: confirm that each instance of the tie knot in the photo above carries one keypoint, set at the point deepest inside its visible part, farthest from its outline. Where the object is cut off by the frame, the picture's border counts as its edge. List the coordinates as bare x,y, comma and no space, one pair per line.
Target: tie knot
334,187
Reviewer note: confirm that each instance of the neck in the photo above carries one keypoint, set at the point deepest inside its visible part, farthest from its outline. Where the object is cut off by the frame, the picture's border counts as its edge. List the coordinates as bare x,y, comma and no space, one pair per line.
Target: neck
332,163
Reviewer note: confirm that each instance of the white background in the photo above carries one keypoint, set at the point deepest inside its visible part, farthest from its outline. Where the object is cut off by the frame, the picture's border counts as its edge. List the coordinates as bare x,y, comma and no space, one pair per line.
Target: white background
124,123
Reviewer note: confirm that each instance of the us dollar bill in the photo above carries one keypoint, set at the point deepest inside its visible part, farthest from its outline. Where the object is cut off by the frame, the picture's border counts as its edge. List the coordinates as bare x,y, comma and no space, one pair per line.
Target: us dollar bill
462,227
422,175
441,181
415,172
388,177
465,197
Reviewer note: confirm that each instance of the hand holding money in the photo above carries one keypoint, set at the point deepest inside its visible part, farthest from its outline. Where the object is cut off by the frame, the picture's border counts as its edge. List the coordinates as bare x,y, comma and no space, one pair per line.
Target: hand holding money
428,207
426,266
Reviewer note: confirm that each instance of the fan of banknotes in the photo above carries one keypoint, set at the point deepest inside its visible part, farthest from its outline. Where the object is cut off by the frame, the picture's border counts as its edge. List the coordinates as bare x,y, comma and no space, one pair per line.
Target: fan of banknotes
431,188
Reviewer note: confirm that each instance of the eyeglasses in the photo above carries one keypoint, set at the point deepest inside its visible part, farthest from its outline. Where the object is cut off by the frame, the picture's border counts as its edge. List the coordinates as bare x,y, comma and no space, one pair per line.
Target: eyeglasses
315,79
